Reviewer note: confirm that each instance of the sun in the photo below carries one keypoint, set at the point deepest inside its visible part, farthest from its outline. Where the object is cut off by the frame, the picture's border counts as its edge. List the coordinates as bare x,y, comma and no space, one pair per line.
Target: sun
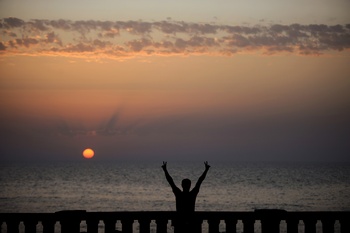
88,153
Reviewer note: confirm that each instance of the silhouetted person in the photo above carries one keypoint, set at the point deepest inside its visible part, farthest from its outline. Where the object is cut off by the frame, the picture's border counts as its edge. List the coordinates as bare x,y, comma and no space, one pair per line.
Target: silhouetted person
185,200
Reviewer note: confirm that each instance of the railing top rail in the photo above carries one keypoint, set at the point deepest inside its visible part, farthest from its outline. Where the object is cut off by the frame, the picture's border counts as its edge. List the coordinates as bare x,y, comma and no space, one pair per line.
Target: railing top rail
205,215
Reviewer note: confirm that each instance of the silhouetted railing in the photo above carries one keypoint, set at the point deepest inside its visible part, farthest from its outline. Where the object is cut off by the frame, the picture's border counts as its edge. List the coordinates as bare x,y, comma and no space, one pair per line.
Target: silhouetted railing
70,221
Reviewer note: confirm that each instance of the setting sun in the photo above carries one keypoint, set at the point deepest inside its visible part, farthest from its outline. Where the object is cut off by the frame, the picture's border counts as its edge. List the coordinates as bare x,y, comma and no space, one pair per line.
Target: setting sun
88,153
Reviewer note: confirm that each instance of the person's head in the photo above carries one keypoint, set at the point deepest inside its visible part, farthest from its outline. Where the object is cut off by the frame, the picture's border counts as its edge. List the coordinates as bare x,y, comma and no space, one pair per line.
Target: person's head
186,185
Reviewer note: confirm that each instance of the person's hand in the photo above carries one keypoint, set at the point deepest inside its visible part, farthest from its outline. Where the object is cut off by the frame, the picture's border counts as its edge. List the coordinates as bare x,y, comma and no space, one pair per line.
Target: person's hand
164,165
207,166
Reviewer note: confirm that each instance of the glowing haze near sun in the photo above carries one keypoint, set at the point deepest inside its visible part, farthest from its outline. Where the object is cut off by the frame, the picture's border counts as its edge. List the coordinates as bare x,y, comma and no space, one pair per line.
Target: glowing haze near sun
88,153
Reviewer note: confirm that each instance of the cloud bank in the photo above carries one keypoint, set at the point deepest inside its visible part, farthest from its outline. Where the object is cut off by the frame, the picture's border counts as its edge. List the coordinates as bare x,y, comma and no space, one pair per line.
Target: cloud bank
121,39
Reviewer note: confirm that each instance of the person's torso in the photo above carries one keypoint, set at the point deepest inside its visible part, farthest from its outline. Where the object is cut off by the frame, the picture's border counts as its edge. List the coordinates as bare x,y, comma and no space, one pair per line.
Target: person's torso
186,201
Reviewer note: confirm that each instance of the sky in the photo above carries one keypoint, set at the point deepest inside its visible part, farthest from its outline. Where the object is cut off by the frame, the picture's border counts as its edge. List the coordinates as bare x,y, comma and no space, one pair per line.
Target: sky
175,80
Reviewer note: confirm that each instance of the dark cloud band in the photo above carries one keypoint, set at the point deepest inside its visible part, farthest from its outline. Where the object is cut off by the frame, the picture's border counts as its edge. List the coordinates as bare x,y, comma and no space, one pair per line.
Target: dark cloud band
127,38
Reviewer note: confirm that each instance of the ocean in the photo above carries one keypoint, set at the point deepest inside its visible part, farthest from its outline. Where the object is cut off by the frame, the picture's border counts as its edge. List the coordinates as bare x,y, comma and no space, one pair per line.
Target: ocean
141,186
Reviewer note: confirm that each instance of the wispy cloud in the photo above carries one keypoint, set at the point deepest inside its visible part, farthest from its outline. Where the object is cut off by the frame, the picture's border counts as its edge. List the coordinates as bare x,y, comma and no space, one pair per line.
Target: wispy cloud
122,39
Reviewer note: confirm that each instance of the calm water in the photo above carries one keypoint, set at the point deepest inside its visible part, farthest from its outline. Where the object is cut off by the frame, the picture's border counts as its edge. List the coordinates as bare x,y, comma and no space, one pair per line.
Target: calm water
132,186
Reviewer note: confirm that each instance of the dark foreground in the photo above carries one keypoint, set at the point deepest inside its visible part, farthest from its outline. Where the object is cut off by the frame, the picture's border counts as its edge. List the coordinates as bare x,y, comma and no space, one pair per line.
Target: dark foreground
269,221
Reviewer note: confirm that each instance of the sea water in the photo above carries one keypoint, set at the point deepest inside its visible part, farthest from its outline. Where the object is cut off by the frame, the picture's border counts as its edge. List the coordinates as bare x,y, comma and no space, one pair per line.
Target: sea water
141,186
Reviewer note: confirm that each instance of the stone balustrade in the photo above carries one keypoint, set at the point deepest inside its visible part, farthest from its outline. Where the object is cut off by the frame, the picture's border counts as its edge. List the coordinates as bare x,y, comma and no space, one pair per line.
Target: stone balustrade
270,220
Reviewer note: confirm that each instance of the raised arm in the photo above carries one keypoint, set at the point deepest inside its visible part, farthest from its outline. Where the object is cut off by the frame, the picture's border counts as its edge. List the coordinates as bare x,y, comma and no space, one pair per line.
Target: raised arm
202,177
168,177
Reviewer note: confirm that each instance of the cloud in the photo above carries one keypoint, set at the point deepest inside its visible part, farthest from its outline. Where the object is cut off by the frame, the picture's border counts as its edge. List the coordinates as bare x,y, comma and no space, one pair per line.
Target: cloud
12,22
109,127
53,38
116,39
2,46
27,42
138,45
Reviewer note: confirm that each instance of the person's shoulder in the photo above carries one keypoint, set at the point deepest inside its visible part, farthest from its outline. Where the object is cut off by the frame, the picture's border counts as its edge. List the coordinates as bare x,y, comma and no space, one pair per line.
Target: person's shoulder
195,190
176,190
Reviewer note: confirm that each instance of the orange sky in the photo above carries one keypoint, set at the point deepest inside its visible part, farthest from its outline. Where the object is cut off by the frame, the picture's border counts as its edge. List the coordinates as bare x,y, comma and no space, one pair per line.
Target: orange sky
189,105
182,82
174,89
